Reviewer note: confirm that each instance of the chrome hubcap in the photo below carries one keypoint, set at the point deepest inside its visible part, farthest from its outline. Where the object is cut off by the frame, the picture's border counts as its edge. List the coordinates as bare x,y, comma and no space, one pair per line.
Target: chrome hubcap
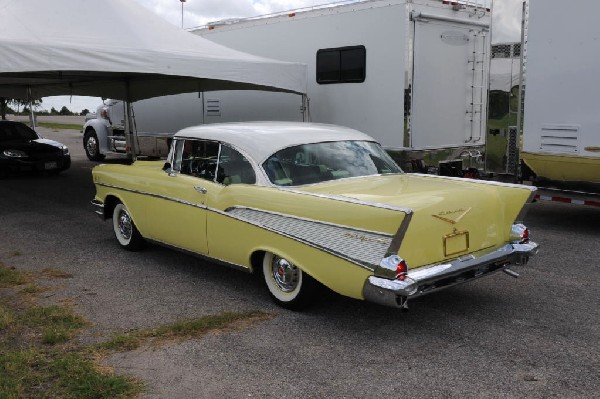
124,225
285,274
92,146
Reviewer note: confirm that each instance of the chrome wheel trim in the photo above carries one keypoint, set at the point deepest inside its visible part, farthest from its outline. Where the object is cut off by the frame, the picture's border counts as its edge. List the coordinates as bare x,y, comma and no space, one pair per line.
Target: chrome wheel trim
92,146
122,224
283,278
285,275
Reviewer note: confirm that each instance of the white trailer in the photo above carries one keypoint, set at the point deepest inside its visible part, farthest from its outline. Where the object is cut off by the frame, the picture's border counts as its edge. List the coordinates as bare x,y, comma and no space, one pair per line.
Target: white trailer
411,73
561,130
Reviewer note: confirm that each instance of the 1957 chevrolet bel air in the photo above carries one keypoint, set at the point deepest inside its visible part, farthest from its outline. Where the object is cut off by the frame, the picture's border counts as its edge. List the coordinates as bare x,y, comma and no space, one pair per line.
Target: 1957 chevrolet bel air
305,203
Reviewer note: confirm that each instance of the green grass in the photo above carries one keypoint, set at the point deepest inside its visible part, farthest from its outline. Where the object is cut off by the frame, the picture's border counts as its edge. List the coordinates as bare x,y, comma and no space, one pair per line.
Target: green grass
182,330
56,374
40,357
10,277
60,126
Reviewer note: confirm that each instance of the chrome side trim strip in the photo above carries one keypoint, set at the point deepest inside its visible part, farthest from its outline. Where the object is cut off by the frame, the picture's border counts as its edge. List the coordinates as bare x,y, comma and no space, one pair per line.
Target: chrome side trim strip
392,242
233,208
360,247
399,236
172,199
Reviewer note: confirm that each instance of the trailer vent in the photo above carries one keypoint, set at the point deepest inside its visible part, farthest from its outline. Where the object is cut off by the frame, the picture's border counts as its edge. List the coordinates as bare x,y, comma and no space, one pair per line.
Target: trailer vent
560,138
213,107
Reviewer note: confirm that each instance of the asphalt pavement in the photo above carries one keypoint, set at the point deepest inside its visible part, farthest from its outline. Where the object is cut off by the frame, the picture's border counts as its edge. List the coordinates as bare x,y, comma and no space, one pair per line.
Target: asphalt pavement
499,337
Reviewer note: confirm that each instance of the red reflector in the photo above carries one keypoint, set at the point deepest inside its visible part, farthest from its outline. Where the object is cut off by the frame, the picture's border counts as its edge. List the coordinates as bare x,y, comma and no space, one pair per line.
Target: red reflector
211,27
401,270
526,235
292,14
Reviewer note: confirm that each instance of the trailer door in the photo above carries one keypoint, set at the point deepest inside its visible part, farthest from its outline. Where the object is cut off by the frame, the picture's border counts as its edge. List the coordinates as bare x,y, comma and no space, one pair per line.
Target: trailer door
449,84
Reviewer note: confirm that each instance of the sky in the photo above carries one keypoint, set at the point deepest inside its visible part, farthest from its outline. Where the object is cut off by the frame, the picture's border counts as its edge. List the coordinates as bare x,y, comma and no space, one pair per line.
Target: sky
506,25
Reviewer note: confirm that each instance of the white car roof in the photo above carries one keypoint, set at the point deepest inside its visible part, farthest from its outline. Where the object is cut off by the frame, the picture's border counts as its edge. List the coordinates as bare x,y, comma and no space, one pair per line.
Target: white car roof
259,140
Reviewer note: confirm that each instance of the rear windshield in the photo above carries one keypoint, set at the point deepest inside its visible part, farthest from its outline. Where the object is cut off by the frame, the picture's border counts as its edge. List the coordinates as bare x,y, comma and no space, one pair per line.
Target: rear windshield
16,132
315,163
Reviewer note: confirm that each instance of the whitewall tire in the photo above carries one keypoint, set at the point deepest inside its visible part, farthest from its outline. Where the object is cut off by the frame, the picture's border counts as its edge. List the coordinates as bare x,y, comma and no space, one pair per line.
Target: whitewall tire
124,228
288,285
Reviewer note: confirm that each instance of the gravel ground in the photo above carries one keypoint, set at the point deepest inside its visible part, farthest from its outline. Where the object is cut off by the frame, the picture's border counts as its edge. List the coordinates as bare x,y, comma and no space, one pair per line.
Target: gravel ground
534,337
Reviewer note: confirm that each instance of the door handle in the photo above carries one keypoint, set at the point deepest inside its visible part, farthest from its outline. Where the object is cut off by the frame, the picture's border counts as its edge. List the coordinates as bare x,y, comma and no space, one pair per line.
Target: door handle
201,190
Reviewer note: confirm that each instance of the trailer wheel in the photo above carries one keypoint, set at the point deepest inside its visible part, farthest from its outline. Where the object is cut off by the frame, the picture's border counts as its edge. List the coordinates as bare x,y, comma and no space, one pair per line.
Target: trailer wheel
92,146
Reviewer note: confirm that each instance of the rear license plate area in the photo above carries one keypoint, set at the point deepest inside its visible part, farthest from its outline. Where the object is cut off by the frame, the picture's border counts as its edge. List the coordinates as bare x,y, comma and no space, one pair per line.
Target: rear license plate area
456,243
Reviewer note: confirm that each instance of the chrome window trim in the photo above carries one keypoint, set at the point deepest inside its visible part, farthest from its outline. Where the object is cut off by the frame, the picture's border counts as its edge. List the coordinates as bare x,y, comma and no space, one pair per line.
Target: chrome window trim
214,180
261,177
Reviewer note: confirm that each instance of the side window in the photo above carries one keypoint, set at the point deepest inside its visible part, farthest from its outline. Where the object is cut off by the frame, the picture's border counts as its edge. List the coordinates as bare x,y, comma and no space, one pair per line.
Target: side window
234,168
341,65
196,158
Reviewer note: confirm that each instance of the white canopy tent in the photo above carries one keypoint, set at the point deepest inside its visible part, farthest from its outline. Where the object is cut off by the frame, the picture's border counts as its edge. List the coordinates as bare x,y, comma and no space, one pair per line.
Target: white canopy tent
87,47
118,49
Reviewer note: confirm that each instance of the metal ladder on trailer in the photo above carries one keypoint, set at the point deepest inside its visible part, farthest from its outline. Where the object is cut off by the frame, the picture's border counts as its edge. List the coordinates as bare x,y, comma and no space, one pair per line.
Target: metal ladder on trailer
475,111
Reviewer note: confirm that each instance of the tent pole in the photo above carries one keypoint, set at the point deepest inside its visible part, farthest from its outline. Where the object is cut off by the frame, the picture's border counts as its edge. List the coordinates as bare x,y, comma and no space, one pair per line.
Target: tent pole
129,139
31,114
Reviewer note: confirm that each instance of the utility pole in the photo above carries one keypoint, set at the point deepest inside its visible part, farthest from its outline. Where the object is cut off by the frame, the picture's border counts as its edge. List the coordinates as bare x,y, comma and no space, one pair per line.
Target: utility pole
182,1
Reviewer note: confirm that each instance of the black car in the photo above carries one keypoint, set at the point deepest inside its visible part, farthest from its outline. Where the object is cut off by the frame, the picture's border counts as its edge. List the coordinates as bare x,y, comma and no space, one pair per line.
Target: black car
22,149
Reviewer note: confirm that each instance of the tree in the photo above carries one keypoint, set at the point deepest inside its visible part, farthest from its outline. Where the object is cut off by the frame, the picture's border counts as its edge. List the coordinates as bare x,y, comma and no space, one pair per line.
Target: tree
6,103
84,112
65,111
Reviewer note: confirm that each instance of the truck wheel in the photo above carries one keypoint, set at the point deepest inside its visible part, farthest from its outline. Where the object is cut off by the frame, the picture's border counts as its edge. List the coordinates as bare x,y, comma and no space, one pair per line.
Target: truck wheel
127,234
92,146
288,285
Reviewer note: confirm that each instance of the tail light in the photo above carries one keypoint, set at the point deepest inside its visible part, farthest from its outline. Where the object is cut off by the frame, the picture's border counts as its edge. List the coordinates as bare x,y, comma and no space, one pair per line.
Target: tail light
401,270
519,234
392,267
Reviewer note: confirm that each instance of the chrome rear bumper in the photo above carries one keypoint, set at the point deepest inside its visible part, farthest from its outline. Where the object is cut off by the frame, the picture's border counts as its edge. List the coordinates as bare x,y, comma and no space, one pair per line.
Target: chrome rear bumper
428,279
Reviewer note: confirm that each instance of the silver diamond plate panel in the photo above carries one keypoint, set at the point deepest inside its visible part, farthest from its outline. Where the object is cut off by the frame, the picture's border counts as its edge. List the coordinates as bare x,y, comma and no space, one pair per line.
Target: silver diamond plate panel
363,247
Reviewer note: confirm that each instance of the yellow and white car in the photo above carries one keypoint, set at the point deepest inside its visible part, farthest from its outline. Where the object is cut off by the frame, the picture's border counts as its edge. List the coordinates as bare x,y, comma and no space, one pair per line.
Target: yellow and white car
303,203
